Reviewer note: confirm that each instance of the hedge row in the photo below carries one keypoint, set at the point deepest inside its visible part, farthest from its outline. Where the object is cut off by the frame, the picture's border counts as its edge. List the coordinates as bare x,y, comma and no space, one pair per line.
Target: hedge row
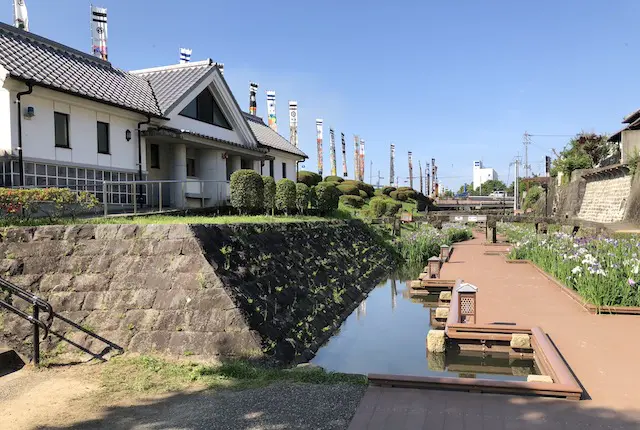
251,193
51,202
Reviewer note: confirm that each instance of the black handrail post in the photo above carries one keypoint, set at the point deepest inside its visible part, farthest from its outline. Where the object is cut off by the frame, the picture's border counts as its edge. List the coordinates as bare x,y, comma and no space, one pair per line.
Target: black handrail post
36,336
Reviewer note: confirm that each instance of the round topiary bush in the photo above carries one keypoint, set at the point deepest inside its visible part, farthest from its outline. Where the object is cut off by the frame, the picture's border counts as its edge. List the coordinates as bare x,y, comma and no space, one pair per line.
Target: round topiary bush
363,194
387,190
362,186
327,196
247,191
393,208
352,201
269,194
348,190
313,198
302,197
333,179
394,195
409,192
378,207
286,196
422,202
309,178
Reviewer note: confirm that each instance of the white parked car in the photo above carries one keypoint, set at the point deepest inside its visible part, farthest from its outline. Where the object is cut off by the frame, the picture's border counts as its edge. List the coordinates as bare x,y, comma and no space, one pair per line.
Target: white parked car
498,195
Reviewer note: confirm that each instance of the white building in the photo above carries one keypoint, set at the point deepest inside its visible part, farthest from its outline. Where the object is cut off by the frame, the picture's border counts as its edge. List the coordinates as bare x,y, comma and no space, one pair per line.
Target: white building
482,174
80,122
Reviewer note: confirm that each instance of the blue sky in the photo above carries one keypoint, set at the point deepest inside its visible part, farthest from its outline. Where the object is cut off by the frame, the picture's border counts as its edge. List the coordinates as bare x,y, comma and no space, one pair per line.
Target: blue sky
457,80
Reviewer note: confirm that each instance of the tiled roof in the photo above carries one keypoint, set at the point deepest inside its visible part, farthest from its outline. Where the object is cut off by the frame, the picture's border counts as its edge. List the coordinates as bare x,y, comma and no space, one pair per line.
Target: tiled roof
29,57
267,137
172,83
178,133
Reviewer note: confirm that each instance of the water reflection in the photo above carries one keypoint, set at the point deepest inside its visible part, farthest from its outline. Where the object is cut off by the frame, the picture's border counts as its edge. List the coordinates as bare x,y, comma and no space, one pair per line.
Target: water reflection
389,336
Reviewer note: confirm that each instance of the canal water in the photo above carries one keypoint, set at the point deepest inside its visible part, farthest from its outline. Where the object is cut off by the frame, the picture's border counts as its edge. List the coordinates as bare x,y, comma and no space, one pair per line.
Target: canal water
387,334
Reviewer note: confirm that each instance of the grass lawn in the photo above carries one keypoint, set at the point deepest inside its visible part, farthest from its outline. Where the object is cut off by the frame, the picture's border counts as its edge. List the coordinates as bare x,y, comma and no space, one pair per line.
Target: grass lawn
141,374
175,219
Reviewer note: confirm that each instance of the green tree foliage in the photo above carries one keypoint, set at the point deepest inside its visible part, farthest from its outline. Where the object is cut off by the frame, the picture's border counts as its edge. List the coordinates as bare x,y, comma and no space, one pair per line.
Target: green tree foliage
533,195
247,191
348,189
422,202
392,207
401,196
313,197
327,197
408,191
363,194
352,201
584,151
269,194
333,179
302,197
309,178
286,196
490,186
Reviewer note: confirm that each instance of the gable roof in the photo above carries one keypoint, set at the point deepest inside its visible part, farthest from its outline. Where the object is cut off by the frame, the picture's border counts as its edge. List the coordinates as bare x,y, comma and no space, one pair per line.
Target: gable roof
267,137
171,84
32,58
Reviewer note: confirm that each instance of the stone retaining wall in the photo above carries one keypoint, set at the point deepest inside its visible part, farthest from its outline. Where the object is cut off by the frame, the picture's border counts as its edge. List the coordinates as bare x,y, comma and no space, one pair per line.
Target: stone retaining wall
605,200
200,290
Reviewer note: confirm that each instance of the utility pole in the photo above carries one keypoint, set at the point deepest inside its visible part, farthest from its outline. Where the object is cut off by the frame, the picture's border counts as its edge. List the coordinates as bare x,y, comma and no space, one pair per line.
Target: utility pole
371,172
516,188
526,141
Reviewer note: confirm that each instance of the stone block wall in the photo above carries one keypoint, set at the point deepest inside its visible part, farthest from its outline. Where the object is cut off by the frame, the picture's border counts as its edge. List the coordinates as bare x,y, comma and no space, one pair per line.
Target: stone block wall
605,200
192,290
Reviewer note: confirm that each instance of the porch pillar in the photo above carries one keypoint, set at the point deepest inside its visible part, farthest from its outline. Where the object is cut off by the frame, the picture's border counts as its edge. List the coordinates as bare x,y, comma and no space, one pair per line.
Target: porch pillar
257,166
236,163
213,168
179,171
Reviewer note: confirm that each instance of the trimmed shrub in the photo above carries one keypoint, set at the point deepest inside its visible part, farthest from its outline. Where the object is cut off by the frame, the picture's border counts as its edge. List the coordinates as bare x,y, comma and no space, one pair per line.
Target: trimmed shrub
422,202
401,196
387,190
328,197
362,186
269,192
393,208
353,201
247,190
309,178
302,197
363,194
286,196
53,202
348,190
333,179
313,197
408,191
378,207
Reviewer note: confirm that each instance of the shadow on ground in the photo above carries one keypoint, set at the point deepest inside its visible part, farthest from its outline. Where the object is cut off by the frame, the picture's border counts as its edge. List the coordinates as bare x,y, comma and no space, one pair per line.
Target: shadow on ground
281,406
399,409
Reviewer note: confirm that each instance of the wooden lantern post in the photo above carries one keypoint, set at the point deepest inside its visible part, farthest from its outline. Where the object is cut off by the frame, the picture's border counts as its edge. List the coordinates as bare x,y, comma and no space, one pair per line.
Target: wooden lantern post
444,252
467,303
434,267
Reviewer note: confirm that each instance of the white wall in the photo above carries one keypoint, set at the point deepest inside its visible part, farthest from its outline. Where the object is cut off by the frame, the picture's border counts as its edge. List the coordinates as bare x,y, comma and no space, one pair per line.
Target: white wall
5,121
38,132
480,176
281,157
630,144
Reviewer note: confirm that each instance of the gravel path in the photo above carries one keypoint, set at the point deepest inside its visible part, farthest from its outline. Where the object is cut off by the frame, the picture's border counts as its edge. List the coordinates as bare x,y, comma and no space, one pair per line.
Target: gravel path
278,406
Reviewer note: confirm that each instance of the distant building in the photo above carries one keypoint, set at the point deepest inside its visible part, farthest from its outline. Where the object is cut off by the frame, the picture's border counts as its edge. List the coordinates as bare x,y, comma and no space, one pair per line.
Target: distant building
482,174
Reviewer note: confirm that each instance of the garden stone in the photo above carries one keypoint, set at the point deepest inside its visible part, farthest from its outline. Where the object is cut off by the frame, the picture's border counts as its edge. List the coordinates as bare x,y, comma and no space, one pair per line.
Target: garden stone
445,295
436,341
436,361
540,378
442,313
520,340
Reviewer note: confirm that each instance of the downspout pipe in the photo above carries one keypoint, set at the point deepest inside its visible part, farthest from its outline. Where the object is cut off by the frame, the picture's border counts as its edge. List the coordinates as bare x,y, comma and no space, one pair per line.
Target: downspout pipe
18,102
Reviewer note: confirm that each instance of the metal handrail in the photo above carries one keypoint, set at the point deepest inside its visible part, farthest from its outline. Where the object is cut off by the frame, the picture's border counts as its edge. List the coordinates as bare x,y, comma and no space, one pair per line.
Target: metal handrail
33,319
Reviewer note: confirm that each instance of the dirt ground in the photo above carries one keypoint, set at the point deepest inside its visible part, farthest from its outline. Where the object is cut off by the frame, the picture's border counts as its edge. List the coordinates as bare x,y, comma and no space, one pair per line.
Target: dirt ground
72,398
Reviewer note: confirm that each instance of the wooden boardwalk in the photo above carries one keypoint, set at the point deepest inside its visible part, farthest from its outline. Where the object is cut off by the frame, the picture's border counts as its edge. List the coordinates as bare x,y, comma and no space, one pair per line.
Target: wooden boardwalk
602,350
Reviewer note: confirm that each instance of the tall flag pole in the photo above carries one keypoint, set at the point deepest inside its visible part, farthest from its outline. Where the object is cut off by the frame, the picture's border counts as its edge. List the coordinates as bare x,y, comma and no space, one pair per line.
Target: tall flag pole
253,104
392,162
185,55
427,189
271,110
319,140
344,157
332,153
433,177
410,171
20,17
421,183
362,159
356,157
99,32
293,122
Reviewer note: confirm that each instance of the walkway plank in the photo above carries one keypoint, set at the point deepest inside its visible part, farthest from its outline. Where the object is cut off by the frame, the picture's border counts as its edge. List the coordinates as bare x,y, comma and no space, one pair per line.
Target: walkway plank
602,351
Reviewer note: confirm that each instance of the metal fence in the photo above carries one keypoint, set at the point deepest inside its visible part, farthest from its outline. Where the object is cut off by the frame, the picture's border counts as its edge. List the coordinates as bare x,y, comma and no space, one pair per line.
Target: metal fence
162,195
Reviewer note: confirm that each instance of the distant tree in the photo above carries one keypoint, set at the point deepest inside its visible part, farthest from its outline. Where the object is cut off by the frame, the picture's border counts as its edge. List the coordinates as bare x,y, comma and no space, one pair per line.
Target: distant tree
490,186
585,151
